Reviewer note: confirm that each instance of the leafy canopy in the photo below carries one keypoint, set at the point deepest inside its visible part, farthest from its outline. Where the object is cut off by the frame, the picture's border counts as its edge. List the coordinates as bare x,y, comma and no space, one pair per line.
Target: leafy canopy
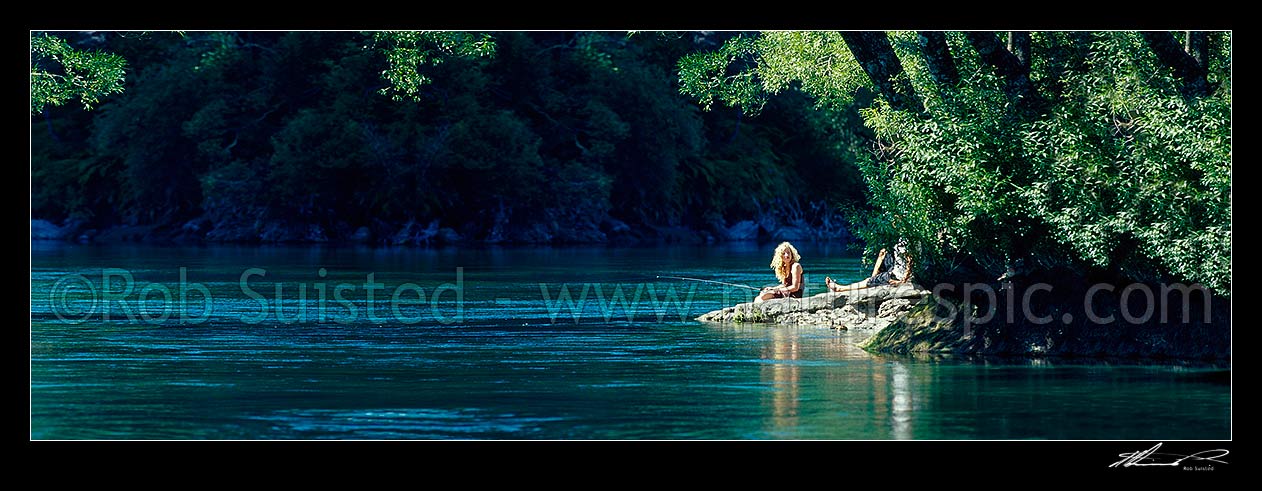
1117,171
60,73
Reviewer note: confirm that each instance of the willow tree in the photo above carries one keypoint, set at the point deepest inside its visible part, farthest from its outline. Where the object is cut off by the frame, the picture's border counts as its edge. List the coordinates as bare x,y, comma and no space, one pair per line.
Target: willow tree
61,73
1105,152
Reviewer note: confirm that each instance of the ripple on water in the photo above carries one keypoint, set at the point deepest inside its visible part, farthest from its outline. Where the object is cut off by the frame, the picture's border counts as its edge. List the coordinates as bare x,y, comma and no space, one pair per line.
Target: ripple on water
517,367
391,423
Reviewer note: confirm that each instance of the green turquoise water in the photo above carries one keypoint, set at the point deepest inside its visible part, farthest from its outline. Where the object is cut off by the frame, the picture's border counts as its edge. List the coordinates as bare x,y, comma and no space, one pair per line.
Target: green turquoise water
496,357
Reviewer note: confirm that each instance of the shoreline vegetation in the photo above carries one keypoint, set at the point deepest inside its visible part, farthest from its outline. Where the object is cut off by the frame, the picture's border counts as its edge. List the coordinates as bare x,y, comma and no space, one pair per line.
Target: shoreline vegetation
1063,158
406,138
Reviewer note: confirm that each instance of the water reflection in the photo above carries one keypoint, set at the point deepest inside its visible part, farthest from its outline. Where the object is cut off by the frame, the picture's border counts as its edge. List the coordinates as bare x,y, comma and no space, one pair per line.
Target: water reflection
879,394
901,416
509,372
784,375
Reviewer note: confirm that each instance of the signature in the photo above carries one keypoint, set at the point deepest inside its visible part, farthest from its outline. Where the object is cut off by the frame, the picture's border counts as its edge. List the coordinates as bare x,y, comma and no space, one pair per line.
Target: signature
1151,457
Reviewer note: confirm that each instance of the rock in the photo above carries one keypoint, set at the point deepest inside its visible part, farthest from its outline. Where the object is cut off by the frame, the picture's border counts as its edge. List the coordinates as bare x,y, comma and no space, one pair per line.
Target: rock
535,233
939,325
791,233
742,230
315,233
128,233
45,230
448,235
197,225
281,231
613,226
233,231
677,234
362,235
413,234
431,234
73,228
893,307
194,230
712,224
580,235
568,229
869,308
767,224
405,234
625,239
849,315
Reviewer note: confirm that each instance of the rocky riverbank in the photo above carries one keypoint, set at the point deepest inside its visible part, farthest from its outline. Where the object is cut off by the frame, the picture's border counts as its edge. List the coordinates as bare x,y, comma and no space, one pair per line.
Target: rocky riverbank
907,319
866,309
940,326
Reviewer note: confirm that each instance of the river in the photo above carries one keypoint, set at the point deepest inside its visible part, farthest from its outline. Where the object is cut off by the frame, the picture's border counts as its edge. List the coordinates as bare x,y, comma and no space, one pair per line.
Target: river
282,342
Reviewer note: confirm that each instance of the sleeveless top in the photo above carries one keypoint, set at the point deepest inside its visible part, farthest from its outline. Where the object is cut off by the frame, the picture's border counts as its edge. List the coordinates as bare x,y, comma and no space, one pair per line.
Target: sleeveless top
789,279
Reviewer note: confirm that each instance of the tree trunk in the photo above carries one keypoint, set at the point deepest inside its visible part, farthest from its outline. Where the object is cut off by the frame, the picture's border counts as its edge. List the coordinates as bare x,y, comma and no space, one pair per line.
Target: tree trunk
1171,54
1008,65
1019,46
933,45
873,52
1197,46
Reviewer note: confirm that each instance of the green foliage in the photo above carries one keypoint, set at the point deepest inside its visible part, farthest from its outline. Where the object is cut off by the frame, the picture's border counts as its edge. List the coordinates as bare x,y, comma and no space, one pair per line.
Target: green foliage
725,74
745,70
1118,172
411,53
152,158
819,61
60,73
546,138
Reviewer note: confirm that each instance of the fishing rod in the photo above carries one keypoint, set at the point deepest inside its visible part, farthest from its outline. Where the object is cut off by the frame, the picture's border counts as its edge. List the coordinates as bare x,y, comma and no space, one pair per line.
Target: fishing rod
710,281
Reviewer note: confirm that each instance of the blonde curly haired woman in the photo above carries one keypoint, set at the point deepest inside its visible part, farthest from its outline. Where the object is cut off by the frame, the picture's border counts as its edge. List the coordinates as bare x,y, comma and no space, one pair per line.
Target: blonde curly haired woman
787,264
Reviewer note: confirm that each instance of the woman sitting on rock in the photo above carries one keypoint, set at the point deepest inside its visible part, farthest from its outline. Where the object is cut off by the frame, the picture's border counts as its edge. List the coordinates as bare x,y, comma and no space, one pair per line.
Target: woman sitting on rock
888,270
788,267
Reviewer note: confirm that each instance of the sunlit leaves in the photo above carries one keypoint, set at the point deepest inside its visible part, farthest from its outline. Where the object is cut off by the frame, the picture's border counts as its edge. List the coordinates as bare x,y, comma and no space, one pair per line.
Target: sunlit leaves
592,48
745,70
410,53
60,73
819,60
1121,172
725,75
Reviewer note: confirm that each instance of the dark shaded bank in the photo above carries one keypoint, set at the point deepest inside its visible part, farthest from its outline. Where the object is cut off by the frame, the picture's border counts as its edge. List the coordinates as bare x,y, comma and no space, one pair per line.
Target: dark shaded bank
1057,323
767,227
559,137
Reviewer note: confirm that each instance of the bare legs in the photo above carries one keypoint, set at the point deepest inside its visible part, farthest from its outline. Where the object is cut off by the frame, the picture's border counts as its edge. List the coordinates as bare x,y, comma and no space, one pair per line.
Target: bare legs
833,286
765,296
